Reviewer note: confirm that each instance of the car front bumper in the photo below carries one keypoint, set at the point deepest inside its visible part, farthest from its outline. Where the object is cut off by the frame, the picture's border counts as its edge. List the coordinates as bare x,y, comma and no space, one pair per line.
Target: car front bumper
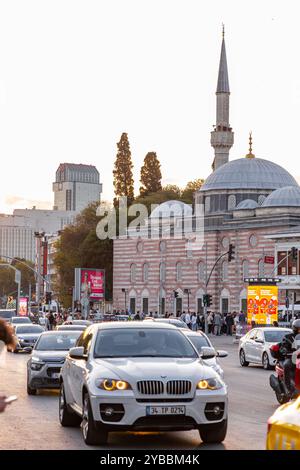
131,411
47,377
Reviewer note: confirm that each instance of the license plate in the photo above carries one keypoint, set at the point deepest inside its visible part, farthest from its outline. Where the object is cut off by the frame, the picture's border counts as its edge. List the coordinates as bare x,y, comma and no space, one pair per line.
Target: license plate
165,410
55,375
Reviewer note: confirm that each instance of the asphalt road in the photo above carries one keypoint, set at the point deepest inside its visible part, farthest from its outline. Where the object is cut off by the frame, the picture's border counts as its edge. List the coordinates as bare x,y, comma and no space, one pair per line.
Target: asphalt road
32,421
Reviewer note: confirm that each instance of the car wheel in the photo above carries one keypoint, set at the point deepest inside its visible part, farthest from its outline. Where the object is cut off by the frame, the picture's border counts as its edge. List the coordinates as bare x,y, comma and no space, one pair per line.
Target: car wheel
213,433
66,417
31,391
91,434
243,361
265,361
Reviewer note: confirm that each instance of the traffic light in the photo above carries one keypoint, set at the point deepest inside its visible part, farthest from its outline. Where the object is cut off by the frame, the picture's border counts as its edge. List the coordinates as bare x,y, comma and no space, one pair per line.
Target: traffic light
48,297
207,300
231,252
175,294
294,253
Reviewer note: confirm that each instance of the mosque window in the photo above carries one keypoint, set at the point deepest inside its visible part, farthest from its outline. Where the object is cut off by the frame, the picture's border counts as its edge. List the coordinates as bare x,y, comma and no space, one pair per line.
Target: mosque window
178,272
261,199
145,272
162,272
201,271
133,273
225,243
245,268
231,202
224,270
139,247
253,240
207,204
162,246
261,268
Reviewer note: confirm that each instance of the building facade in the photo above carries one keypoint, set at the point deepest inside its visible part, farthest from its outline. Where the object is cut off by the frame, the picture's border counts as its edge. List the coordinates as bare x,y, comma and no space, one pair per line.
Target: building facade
76,186
245,202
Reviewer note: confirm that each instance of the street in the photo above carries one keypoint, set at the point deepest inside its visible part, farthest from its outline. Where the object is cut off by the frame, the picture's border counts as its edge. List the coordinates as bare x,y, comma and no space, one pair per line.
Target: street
32,421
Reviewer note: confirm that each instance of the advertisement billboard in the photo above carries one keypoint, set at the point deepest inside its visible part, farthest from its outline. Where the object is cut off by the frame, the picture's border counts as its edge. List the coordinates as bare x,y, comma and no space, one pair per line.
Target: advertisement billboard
23,306
262,304
89,285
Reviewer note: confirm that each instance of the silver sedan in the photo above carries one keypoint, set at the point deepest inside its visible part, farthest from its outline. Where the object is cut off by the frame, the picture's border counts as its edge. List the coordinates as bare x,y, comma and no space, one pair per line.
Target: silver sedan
254,347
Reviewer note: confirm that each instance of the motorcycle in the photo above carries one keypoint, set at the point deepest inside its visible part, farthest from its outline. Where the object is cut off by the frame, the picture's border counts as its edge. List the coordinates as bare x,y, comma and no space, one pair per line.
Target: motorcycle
277,382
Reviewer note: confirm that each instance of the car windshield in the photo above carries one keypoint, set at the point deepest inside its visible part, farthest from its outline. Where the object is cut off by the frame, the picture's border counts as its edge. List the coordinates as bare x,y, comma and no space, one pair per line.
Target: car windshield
58,341
174,322
199,341
275,336
6,314
21,320
139,342
71,327
23,329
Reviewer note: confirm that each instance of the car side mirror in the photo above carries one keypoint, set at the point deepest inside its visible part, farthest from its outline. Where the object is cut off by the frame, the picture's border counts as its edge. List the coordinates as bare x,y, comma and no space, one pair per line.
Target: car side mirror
77,353
207,353
221,353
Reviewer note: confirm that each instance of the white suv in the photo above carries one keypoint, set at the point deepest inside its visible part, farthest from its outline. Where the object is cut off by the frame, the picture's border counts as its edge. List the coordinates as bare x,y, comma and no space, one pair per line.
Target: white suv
134,376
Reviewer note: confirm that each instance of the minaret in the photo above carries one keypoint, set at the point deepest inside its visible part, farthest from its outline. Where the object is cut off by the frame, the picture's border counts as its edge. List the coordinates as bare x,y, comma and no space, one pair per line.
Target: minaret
222,136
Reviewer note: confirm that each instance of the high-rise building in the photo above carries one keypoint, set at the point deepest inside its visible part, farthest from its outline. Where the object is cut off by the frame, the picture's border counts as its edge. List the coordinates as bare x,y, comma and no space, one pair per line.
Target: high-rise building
76,186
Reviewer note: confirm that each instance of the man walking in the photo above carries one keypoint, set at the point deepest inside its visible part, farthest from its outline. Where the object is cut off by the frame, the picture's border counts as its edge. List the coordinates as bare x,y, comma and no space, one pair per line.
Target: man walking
218,324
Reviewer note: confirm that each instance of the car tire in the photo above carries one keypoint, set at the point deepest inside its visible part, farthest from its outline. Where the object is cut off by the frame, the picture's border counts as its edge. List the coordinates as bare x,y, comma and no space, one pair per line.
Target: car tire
266,362
67,418
243,361
92,434
31,391
213,433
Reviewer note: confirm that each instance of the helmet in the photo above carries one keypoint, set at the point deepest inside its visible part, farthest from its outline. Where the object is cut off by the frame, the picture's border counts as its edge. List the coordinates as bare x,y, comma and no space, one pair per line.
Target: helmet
296,326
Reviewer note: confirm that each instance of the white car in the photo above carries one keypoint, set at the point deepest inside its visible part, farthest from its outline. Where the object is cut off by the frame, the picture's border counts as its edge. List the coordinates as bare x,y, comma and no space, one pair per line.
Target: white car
254,347
140,376
200,341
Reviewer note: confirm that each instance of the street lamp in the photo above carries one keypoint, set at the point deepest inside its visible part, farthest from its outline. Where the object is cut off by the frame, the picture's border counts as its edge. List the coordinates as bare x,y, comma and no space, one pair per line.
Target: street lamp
188,292
39,236
125,292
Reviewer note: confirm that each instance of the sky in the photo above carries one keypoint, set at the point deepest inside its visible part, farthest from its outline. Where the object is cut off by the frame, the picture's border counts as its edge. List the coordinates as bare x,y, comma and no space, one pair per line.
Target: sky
76,74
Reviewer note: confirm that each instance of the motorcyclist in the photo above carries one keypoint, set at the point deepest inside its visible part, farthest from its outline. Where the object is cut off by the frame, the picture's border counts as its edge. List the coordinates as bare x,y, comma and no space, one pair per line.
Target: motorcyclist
287,347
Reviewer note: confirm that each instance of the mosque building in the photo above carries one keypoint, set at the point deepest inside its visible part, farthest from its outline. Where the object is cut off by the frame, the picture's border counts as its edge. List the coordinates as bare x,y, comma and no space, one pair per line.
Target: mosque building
251,203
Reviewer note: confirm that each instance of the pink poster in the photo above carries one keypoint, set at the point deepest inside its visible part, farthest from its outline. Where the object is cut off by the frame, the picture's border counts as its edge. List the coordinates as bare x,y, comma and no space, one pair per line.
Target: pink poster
92,284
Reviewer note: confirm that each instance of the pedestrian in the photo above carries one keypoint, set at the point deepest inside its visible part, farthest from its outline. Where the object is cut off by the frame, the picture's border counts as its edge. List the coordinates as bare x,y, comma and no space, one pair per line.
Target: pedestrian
217,324
7,341
194,321
229,324
275,324
188,320
210,322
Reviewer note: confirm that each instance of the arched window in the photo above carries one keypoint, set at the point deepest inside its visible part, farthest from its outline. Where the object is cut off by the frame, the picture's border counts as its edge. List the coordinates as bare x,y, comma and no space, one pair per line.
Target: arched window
145,272
133,273
178,272
261,268
201,271
231,202
224,270
245,268
162,272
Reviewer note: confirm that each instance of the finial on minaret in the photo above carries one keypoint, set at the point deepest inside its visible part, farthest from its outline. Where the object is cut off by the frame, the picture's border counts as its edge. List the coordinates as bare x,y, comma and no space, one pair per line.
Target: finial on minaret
250,154
223,30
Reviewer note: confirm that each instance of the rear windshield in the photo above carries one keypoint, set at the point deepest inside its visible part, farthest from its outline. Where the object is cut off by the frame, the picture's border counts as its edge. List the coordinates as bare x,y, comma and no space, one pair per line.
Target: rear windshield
275,336
24,329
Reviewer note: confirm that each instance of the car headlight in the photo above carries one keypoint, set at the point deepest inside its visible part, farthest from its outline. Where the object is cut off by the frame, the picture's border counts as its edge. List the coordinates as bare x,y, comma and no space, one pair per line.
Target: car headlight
209,384
36,363
111,385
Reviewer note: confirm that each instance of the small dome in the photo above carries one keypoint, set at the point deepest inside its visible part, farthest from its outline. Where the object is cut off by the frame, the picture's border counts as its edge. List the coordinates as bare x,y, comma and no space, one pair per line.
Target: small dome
247,204
249,173
171,208
288,196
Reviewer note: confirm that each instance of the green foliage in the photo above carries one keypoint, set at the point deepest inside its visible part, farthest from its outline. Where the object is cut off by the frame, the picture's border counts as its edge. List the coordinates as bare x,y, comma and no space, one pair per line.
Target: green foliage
123,177
150,175
7,277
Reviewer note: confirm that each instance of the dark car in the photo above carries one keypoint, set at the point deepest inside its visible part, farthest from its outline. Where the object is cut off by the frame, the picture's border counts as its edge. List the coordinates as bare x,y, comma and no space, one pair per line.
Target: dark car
26,336
7,314
48,356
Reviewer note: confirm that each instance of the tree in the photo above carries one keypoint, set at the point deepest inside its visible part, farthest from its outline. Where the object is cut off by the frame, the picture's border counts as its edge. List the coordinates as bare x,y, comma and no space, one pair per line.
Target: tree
79,247
123,177
150,175
187,194
7,278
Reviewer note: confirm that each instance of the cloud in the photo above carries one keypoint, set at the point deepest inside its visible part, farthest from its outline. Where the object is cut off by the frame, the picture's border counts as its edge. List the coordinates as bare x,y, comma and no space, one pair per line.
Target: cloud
19,202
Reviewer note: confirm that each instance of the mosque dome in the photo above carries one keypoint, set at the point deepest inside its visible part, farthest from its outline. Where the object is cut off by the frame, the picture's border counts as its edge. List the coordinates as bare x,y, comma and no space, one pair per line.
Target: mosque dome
249,173
287,196
171,208
247,204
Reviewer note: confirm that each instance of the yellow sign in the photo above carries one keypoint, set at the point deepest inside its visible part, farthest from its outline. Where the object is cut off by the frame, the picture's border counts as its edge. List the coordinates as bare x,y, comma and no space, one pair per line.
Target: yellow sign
262,304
